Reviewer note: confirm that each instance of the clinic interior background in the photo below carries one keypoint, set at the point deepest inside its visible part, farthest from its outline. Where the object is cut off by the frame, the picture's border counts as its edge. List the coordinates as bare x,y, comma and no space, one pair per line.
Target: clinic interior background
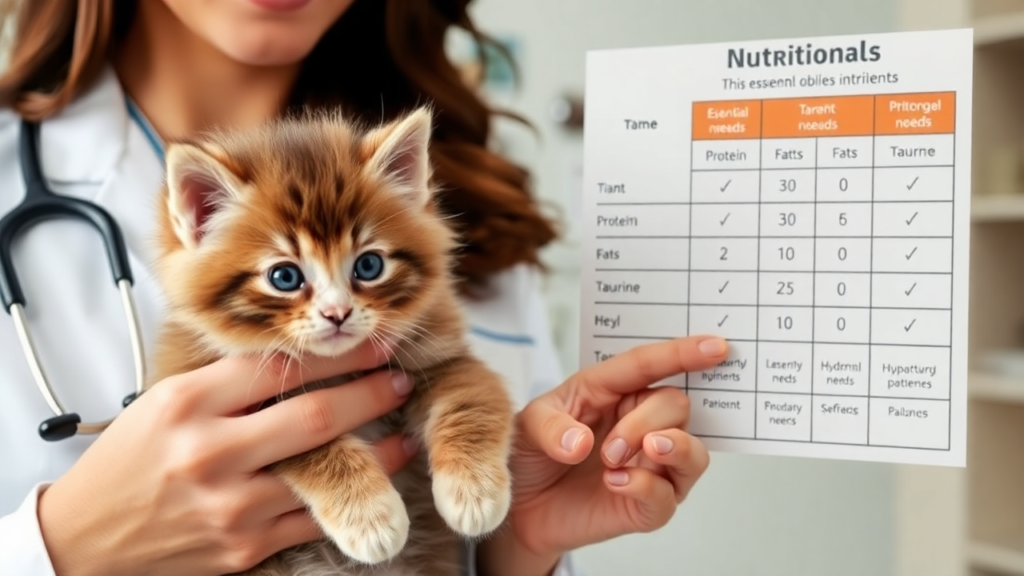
752,515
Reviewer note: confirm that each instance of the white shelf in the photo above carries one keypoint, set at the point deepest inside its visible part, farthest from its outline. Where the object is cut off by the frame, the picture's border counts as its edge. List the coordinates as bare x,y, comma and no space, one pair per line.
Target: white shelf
997,208
995,388
997,29
949,519
1007,558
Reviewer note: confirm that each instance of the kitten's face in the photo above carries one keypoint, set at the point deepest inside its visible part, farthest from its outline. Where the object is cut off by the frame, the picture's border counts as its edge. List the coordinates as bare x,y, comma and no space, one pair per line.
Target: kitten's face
303,237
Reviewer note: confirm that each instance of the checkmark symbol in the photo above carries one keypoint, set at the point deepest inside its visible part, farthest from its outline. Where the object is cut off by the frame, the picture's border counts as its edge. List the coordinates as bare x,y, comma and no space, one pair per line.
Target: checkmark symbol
722,189
911,185
911,289
908,256
723,320
912,218
722,289
722,221
909,326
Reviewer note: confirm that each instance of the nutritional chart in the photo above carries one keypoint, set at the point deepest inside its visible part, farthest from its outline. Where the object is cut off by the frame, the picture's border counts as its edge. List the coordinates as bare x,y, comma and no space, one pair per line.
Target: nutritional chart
819,234
875,280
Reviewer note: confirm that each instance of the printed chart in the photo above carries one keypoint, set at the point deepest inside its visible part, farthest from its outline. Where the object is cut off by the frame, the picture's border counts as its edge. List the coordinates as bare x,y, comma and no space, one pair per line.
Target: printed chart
807,199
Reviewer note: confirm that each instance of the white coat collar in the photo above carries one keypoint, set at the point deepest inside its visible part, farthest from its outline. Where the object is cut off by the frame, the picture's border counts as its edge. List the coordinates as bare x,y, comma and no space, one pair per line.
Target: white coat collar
86,140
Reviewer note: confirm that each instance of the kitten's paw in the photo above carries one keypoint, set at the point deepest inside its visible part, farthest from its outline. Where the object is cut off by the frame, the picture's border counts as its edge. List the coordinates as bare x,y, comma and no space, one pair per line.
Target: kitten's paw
373,531
473,508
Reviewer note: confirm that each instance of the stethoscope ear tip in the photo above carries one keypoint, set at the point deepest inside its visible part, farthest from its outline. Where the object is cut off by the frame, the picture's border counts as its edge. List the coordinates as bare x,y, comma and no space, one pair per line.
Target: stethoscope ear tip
59,427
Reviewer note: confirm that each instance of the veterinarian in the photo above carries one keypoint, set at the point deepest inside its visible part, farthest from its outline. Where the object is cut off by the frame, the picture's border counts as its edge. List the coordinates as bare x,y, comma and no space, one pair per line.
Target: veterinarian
174,485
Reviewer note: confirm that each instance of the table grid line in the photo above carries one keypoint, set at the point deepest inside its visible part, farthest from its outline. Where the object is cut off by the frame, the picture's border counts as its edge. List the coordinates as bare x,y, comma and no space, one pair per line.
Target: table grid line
769,341
830,443
952,258
712,304
814,284
773,238
871,260
757,318
818,394
783,169
816,202
729,271
689,260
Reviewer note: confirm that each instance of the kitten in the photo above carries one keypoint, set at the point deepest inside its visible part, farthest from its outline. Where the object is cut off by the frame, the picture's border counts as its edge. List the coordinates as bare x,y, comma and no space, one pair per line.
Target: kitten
312,235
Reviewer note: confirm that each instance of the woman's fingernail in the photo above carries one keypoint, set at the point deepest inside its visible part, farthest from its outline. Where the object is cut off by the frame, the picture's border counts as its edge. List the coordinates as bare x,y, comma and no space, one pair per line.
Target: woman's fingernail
571,439
616,451
618,477
713,347
401,383
662,445
410,445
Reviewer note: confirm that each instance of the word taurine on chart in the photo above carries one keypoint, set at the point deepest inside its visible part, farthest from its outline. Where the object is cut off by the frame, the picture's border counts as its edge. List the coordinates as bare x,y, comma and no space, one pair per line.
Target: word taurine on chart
807,199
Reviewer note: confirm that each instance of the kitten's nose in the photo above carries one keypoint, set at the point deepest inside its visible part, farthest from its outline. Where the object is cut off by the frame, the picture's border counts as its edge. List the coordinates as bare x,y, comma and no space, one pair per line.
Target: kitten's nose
336,314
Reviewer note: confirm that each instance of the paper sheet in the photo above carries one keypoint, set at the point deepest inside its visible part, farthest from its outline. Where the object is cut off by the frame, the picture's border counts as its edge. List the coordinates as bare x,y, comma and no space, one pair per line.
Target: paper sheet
809,200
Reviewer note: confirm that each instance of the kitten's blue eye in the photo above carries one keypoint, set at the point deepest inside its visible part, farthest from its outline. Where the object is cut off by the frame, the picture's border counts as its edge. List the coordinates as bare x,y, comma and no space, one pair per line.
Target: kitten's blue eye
286,277
368,266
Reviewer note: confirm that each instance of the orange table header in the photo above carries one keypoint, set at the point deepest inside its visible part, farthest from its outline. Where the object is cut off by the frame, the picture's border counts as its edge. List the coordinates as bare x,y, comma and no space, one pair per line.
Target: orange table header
883,114
826,116
727,120
933,113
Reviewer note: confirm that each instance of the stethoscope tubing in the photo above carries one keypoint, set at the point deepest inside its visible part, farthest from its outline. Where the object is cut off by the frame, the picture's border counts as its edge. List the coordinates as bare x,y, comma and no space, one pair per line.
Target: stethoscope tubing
41,204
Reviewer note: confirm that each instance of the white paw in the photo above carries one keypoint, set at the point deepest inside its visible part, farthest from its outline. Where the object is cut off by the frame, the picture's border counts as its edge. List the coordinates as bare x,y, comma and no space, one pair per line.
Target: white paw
374,531
471,508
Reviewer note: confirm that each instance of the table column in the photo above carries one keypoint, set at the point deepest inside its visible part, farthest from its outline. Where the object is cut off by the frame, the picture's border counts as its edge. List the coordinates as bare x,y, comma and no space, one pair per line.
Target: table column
912,270
842,279
725,159
786,280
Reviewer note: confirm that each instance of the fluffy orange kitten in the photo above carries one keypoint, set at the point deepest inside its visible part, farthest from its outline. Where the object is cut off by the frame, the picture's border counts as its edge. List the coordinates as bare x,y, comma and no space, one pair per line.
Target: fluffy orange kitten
312,235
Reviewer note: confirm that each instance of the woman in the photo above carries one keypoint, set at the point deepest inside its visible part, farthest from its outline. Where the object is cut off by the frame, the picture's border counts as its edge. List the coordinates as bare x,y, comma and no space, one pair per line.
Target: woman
170,490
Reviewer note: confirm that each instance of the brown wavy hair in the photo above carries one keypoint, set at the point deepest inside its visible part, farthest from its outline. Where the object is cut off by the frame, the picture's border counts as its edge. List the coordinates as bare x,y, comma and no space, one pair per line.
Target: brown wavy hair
60,47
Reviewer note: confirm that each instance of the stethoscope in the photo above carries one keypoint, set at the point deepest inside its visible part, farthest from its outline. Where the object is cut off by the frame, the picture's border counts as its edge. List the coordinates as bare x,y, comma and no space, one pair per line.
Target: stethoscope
41,203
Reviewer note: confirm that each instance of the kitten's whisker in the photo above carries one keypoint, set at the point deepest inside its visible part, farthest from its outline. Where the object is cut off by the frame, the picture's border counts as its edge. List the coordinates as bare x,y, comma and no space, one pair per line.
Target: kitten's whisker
401,367
268,355
434,351
297,343
404,338
410,327
377,342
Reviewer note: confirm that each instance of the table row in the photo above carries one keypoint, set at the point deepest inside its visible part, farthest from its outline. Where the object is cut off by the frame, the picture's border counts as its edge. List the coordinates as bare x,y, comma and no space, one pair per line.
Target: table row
641,182
838,290
773,323
863,255
896,219
810,185
821,419
918,150
877,370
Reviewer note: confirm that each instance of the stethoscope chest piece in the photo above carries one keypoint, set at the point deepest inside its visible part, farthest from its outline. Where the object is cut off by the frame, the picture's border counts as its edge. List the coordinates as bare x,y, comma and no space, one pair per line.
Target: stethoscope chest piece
40,204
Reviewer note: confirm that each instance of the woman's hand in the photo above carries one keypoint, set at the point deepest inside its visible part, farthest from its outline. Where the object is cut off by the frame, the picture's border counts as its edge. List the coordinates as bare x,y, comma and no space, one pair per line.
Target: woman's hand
602,455
176,484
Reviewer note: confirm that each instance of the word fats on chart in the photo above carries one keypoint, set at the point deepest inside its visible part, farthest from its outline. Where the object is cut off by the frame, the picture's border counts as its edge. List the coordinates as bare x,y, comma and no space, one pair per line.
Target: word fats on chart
808,200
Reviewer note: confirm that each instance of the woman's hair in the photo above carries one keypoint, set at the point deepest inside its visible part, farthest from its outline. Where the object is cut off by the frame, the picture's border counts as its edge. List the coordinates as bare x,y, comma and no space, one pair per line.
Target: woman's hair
382,58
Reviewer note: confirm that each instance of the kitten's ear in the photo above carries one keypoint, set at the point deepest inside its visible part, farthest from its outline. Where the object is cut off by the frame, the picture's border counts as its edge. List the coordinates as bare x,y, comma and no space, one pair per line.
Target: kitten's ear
400,152
199,186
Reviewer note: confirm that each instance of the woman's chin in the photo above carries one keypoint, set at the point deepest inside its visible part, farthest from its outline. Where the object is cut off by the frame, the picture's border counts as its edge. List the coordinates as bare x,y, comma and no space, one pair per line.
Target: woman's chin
270,50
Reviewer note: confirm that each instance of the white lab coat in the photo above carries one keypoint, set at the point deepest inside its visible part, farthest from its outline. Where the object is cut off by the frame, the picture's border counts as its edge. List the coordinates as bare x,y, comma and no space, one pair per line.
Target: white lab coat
101,149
